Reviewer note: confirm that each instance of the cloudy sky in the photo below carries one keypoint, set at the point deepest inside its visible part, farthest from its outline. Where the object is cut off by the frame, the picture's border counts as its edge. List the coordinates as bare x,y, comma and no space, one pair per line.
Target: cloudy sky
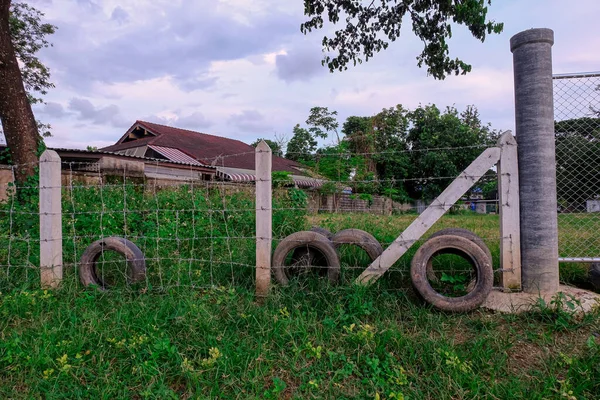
242,69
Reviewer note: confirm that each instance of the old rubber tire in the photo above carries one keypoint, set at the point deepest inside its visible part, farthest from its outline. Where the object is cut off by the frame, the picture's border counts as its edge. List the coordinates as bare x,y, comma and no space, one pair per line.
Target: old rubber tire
311,242
594,275
300,254
325,232
469,250
359,238
467,234
134,257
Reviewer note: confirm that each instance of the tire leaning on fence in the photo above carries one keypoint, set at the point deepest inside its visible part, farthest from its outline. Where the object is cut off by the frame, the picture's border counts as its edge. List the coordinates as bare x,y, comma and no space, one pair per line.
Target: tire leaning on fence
300,255
465,233
359,238
468,250
136,262
325,232
316,247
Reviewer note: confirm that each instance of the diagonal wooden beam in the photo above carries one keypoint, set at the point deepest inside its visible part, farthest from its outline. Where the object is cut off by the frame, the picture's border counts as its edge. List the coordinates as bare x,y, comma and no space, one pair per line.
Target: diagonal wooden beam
440,205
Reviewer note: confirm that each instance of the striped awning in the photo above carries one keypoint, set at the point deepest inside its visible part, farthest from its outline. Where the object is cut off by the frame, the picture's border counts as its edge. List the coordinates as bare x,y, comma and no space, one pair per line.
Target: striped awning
235,175
307,183
175,155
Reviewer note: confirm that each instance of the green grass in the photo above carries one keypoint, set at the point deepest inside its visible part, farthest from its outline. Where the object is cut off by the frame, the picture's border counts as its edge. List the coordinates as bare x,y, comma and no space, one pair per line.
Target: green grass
163,339
193,236
572,228
304,342
387,228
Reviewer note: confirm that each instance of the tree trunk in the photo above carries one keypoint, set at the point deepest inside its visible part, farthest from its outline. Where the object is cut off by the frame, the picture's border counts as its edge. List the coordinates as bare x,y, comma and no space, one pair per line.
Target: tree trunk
18,122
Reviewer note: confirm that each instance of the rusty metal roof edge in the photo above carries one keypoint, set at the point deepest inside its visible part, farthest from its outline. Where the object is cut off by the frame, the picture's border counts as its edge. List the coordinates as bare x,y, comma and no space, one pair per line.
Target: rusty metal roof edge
130,156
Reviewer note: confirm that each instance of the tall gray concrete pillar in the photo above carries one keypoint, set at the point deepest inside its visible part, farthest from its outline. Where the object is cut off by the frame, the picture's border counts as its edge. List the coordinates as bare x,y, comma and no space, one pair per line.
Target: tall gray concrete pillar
534,110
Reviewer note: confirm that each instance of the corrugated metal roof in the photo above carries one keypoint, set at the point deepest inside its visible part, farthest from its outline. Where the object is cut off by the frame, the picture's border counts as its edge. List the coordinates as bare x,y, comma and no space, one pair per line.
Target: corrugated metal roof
236,175
106,152
175,155
210,149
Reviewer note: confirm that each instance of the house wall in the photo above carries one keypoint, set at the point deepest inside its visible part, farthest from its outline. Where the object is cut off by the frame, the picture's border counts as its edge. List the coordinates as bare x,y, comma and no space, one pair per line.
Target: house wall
342,202
160,177
74,178
175,174
117,166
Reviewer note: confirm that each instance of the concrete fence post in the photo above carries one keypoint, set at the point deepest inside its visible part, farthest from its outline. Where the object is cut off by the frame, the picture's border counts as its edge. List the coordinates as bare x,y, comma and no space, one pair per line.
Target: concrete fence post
510,231
534,114
264,222
51,257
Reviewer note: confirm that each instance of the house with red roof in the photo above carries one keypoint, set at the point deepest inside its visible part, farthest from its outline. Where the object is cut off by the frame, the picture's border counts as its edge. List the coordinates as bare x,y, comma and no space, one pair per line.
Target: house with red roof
233,159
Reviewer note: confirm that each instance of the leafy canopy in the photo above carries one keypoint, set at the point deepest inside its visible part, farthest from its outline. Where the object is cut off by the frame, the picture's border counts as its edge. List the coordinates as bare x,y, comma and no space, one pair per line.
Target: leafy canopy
394,152
371,25
29,36
301,146
321,121
459,138
577,161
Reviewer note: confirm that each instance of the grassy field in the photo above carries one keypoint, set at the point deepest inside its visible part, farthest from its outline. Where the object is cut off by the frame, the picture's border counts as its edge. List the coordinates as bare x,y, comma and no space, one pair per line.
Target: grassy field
166,340
573,229
305,342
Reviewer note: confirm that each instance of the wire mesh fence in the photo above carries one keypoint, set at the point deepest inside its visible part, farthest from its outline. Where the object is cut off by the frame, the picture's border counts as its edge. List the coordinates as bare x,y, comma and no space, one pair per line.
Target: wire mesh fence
577,131
197,233
358,194
192,233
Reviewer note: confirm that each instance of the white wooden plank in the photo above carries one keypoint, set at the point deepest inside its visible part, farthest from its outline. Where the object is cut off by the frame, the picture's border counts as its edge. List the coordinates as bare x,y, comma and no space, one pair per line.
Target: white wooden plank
444,201
264,222
510,231
51,257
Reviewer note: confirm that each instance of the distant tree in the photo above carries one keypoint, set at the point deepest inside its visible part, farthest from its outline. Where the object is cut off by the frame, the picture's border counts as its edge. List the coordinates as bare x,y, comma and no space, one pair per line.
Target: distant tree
394,152
357,132
442,145
301,146
275,147
489,185
379,150
92,148
390,130
321,121
370,26
586,127
334,162
577,162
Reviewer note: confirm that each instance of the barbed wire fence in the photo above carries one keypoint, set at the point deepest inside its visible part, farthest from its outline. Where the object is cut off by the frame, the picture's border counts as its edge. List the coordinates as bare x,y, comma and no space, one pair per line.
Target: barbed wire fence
577,132
201,234
385,207
192,232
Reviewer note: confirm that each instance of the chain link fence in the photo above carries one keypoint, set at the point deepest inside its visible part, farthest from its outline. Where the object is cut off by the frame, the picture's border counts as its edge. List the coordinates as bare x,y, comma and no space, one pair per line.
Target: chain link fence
577,132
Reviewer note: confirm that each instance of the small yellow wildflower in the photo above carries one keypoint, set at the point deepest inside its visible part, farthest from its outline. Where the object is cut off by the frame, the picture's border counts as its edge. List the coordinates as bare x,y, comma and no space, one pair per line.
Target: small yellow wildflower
48,373
186,366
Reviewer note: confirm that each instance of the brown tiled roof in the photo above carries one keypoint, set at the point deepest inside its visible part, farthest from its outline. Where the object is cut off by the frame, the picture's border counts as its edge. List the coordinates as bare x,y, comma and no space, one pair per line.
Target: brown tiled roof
209,149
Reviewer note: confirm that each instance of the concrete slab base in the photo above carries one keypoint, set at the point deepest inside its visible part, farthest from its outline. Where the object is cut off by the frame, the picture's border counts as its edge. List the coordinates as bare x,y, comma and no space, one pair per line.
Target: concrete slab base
523,302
